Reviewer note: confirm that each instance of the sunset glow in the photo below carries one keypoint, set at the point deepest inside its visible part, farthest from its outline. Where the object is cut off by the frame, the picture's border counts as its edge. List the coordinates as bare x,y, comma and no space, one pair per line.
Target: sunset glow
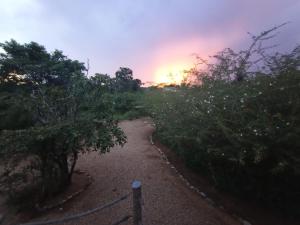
171,74
159,44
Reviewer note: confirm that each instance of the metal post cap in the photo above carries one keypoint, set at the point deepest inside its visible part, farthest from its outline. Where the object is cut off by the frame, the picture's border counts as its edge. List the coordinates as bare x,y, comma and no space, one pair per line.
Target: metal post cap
136,184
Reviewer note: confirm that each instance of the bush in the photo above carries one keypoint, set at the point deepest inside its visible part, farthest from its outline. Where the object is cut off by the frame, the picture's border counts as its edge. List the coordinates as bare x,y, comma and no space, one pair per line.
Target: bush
243,135
128,105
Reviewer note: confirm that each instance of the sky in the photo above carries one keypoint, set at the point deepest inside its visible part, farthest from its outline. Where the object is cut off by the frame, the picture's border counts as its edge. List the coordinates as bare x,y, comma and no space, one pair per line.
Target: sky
152,37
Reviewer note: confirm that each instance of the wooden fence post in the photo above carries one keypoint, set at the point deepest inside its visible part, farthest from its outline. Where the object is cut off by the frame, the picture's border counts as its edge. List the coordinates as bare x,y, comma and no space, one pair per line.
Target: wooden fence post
137,202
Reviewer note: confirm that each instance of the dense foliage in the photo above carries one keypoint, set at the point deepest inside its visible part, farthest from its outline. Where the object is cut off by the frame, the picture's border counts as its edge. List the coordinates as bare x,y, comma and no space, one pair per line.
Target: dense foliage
122,82
50,114
123,92
243,134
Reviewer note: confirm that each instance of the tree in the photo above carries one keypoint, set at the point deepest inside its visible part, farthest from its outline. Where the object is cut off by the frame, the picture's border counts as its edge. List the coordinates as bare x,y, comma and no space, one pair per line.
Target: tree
32,64
66,115
104,81
124,80
136,84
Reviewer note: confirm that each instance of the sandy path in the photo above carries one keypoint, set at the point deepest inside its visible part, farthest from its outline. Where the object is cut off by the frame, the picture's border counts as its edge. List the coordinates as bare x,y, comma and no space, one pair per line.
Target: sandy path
167,200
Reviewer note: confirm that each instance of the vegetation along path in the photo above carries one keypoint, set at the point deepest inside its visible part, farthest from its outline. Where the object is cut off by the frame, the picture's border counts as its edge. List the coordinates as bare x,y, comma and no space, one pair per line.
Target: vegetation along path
167,199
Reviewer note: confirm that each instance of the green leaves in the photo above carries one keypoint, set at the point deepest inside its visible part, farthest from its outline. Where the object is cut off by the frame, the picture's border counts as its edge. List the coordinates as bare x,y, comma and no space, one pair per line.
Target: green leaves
243,135
31,64
54,114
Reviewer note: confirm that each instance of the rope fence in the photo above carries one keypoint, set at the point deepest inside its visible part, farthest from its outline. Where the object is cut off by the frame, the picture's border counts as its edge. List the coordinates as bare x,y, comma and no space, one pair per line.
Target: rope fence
137,209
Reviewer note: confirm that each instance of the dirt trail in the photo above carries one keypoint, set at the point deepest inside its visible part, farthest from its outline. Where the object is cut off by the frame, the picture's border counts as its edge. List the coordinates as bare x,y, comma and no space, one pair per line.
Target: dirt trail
167,200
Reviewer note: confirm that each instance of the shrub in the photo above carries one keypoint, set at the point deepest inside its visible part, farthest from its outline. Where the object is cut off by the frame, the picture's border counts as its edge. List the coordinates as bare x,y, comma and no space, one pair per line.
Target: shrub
243,135
128,105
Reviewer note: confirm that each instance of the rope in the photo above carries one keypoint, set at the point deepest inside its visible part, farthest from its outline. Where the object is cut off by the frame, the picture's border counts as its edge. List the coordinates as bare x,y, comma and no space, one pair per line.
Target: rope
124,219
79,215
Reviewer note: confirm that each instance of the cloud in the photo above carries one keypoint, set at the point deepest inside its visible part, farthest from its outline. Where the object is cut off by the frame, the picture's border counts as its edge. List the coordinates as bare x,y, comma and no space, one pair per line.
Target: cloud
145,35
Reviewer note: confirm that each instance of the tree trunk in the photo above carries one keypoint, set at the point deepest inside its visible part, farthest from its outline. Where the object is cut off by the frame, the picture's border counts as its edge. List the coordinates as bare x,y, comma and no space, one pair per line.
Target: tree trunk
65,179
75,157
